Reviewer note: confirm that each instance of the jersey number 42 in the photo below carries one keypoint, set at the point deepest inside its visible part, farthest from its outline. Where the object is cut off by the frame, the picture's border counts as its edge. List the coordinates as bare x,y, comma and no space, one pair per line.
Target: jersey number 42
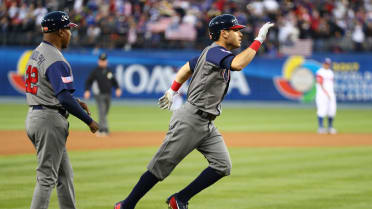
31,79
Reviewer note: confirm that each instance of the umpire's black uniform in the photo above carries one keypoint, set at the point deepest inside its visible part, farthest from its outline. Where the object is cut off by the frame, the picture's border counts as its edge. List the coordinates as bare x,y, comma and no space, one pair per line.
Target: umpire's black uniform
103,80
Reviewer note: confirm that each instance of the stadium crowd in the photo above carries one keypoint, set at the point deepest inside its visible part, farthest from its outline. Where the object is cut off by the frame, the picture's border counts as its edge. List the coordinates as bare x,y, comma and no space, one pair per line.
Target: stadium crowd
330,25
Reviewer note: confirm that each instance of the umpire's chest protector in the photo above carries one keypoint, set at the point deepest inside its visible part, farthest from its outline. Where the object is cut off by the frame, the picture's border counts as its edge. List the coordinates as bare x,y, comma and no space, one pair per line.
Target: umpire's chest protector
208,85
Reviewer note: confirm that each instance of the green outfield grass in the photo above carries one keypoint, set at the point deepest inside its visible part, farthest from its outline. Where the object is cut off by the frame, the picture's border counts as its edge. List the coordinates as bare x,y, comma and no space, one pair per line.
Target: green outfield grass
265,119
262,178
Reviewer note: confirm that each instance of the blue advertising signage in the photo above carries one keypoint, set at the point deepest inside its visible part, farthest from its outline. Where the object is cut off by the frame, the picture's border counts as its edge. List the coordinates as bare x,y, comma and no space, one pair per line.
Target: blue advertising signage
147,74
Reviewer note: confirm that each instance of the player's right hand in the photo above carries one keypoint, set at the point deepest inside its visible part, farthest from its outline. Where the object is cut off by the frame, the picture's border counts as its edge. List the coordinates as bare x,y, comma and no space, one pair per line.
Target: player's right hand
263,32
165,102
86,94
93,126
118,92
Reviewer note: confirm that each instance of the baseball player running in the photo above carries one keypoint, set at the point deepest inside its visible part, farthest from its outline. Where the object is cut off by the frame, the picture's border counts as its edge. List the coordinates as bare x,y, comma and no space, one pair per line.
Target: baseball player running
191,126
325,97
49,88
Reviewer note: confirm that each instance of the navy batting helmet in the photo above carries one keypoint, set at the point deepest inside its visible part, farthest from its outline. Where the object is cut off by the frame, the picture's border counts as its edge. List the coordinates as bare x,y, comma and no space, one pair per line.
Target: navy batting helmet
223,22
56,20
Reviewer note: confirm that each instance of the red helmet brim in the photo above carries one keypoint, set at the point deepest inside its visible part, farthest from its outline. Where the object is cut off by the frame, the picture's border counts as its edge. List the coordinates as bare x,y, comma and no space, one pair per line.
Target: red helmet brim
237,27
72,25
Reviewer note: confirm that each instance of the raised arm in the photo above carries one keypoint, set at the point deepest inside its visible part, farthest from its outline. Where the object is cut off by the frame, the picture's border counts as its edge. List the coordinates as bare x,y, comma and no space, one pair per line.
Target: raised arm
245,57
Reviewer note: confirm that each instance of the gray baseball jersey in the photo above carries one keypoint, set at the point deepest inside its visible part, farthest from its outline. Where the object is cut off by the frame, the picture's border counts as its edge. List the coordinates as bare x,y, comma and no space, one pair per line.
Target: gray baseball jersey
39,89
191,126
209,82
47,128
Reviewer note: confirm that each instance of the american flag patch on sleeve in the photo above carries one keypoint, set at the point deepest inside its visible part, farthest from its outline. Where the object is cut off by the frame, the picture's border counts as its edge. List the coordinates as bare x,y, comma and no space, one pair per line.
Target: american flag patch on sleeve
68,79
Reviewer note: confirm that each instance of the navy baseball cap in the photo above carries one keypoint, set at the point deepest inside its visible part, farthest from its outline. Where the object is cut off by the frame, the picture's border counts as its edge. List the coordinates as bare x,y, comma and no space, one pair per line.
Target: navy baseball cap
56,20
327,60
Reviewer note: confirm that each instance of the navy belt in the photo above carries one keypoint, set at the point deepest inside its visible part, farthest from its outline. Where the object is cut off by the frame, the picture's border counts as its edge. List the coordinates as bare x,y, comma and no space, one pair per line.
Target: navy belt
60,110
205,115
37,107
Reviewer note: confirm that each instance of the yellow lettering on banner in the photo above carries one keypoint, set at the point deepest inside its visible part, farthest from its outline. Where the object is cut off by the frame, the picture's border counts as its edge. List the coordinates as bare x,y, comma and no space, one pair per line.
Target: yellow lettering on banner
345,66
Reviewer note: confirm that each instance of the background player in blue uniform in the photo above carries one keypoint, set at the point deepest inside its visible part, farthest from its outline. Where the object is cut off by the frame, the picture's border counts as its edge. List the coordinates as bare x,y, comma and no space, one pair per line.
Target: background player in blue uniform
191,126
49,88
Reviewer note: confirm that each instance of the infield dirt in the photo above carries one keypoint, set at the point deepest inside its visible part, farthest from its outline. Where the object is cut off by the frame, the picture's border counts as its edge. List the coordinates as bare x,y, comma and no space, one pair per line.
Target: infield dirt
16,142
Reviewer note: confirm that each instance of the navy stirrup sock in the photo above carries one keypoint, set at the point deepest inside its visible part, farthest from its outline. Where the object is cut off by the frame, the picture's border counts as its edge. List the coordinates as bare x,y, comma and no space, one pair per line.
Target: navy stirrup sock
320,122
145,183
330,122
208,177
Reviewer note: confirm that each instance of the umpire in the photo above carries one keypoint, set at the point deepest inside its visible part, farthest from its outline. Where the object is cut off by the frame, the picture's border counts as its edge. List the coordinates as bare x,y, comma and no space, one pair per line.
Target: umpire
103,80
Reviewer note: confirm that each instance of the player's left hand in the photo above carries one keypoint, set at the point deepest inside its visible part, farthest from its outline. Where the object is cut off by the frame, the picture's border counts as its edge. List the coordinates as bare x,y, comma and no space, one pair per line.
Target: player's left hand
83,105
263,32
93,126
165,102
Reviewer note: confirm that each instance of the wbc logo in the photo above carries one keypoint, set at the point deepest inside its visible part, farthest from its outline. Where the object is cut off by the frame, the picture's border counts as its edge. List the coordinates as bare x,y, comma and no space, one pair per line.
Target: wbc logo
298,79
16,78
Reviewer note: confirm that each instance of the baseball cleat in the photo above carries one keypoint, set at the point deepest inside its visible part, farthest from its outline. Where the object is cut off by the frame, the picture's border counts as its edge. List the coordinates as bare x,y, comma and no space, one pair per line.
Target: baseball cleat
332,131
322,131
118,205
174,203
101,134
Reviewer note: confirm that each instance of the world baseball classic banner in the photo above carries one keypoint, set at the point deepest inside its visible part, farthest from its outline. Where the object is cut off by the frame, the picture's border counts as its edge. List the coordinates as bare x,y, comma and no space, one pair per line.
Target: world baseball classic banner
147,74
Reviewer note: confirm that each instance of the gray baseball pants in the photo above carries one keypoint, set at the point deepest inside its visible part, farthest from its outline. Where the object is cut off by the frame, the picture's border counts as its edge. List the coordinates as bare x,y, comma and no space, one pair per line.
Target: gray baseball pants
103,104
189,131
48,131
